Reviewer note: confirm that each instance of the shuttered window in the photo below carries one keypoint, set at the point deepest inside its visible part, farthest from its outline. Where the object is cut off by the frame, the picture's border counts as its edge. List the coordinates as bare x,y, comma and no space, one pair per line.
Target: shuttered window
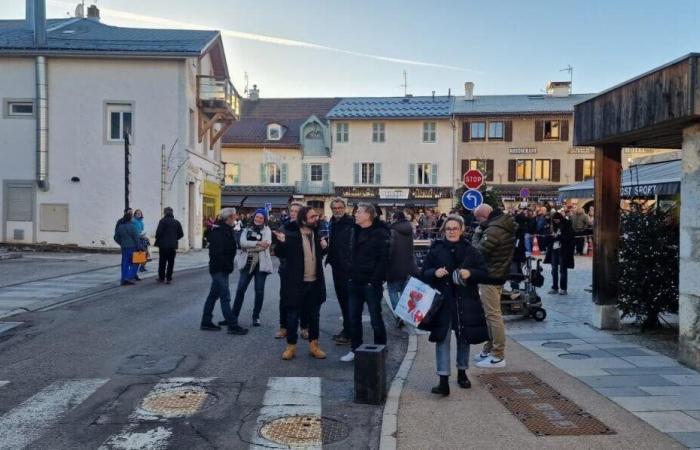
429,132
523,170
478,131
378,132
483,165
232,173
543,170
342,132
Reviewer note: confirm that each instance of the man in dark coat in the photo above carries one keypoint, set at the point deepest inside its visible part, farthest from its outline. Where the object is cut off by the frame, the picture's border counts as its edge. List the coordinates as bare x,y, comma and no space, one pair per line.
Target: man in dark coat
304,284
402,260
368,259
282,332
560,253
169,231
338,257
222,251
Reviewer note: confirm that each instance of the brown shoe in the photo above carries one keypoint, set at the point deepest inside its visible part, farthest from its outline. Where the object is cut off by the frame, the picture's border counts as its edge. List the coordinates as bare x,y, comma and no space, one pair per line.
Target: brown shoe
305,333
281,333
316,351
289,352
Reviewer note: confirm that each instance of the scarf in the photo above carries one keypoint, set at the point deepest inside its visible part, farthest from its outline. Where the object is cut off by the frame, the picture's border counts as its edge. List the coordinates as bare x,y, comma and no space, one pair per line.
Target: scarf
307,244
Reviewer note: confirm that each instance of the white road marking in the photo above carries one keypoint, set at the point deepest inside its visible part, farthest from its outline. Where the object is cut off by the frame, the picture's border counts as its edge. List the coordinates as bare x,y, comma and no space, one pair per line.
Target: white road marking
289,396
28,421
3,383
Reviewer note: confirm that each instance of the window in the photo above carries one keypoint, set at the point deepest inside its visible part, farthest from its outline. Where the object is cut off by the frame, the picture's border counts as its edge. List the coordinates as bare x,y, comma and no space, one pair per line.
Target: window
551,130
478,131
316,172
120,120
588,168
232,173
429,131
15,109
495,130
523,170
378,132
274,174
543,170
424,173
367,173
274,132
342,132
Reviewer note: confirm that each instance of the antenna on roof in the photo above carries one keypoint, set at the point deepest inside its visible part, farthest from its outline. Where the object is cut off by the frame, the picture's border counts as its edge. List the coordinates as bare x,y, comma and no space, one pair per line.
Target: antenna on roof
569,69
245,90
405,84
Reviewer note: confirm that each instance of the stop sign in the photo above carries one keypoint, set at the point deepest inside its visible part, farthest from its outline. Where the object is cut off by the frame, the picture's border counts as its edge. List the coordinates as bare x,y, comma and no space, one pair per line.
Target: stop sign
473,179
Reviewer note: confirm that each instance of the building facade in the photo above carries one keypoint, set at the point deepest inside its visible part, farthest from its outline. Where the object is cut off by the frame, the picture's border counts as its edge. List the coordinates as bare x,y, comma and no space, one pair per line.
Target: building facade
70,104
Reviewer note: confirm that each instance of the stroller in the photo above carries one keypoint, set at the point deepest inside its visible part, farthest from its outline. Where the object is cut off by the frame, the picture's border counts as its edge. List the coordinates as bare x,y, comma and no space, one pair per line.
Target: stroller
525,301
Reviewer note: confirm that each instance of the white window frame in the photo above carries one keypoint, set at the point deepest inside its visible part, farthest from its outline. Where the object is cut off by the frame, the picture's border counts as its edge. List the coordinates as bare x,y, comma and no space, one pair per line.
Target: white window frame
424,174
342,132
273,176
274,127
378,132
429,132
472,126
373,172
311,172
120,108
230,166
503,130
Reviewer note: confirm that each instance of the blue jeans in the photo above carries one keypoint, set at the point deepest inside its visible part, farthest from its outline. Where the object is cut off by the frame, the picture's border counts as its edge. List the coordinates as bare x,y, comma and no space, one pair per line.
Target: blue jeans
560,273
243,282
442,355
219,290
361,293
395,289
128,268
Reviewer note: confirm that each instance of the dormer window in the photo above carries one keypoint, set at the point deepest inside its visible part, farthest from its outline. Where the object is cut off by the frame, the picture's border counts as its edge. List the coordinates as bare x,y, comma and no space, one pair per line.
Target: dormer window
274,132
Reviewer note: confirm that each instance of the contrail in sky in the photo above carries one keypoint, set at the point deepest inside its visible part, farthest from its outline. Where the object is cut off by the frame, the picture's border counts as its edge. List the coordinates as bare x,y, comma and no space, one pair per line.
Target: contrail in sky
261,37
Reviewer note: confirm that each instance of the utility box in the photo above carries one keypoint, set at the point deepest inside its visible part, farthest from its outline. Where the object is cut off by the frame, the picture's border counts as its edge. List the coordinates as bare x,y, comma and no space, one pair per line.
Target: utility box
370,374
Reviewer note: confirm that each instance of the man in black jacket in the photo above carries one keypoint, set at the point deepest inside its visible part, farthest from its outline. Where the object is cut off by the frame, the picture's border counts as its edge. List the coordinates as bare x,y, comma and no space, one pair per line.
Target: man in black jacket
169,231
367,271
338,256
222,251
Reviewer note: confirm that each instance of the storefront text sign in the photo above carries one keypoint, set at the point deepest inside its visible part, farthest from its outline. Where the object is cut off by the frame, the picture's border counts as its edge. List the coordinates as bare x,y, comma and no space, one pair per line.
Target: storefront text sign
394,194
648,190
522,151
581,150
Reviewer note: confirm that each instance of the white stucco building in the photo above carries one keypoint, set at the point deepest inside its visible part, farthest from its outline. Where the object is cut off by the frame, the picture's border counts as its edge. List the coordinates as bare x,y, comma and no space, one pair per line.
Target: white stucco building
70,90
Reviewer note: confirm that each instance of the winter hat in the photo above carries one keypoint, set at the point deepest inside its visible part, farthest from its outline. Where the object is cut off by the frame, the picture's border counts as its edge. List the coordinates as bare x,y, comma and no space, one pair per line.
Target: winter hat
261,211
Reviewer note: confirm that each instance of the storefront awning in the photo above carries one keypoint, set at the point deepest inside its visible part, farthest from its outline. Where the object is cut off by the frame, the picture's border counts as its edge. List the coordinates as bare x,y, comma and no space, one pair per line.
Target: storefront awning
643,180
255,201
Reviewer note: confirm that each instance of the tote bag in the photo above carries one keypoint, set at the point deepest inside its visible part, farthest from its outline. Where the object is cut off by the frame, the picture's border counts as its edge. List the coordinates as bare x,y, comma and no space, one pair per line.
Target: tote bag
415,302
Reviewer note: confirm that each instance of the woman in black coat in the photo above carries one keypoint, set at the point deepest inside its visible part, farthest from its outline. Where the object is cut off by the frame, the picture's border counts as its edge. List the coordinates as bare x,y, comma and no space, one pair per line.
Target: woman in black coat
455,268
560,253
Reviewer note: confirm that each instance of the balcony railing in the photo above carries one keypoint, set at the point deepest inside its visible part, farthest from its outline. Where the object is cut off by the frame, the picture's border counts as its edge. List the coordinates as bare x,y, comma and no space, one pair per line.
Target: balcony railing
315,187
216,92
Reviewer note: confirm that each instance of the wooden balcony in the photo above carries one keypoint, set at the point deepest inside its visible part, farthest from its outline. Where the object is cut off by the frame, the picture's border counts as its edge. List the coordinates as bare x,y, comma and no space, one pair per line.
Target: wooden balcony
218,102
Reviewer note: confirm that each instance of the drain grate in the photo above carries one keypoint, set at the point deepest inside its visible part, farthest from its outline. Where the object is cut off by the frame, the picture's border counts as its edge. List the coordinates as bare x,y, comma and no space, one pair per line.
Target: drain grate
572,355
543,410
304,431
555,344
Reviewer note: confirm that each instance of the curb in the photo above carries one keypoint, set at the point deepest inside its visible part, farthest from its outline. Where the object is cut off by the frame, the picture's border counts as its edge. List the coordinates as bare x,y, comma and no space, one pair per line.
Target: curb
5,256
390,417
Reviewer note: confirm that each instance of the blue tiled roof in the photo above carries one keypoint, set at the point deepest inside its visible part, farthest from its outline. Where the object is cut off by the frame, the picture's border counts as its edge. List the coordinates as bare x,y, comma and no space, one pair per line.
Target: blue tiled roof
517,104
91,36
392,108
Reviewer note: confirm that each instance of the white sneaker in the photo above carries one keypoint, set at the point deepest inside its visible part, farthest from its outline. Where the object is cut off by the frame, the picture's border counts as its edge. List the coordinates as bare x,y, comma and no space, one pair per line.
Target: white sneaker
562,292
491,363
481,356
348,357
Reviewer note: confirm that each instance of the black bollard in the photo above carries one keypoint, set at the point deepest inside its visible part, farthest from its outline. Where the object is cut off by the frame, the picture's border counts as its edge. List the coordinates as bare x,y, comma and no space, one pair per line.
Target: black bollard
370,374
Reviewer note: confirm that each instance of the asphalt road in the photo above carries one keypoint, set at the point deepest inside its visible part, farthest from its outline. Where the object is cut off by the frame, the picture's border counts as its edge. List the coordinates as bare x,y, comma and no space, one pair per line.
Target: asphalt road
77,377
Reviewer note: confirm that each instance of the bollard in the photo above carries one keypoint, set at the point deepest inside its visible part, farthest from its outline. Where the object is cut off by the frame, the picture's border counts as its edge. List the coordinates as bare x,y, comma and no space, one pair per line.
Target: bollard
370,374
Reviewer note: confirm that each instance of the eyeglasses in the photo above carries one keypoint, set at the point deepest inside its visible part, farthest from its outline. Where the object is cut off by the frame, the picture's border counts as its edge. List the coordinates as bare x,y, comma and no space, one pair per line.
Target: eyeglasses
453,229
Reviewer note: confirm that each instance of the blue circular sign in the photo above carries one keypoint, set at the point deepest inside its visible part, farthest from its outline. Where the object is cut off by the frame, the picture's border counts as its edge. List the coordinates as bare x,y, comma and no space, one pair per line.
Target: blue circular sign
524,192
471,199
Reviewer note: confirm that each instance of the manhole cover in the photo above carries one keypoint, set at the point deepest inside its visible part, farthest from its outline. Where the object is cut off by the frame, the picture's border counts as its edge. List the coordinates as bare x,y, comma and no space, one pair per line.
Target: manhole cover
304,430
554,344
177,402
574,356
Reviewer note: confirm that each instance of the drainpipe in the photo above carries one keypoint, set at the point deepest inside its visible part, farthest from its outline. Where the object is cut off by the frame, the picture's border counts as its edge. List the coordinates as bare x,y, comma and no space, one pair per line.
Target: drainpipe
38,13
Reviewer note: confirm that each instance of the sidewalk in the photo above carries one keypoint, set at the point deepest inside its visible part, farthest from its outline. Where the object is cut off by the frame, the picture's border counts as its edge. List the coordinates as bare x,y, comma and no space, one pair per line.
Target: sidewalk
40,280
648,399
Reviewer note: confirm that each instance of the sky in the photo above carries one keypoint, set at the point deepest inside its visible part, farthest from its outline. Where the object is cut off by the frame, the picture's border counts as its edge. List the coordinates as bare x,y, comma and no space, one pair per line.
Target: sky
341,48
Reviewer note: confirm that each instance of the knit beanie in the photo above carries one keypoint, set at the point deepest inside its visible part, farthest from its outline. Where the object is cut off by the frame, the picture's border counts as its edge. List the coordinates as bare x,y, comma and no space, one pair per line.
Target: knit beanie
262,211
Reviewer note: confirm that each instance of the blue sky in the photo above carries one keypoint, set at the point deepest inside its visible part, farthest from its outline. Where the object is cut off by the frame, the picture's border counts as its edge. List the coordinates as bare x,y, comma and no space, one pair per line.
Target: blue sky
361,47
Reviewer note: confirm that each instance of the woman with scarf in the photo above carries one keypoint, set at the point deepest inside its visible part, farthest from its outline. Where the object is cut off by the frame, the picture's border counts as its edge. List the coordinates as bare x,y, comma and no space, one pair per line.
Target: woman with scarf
454,268
560,253
254,262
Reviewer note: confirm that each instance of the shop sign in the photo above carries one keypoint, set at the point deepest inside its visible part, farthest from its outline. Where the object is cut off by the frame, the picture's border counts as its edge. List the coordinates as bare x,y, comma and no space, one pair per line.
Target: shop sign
637,150
394,194
522,151
359,193
642,191
581,150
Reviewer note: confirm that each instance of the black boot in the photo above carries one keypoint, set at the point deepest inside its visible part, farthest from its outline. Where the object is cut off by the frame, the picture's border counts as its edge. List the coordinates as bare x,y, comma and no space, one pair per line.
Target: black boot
443,388
462,379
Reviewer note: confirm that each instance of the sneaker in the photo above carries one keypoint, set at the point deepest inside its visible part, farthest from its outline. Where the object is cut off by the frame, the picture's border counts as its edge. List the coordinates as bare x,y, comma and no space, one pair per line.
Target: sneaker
348,357
562,292
209,327
127,283
237,330
491,363
481,356
256,322
553,292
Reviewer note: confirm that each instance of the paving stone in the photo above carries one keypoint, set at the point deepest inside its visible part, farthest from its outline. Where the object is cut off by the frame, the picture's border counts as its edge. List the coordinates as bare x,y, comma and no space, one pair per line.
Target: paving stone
657,403
670,421
651,361
678,370
626,381
684,380
542,336
622,392
673,390
629,351
688,439
592,363
695,413
584,372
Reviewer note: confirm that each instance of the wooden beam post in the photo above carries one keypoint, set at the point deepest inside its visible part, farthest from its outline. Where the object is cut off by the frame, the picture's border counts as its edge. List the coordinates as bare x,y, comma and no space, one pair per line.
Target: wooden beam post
606,235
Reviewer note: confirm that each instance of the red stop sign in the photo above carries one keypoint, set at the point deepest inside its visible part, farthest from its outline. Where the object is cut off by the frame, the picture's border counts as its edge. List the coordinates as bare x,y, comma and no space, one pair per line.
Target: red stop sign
473,179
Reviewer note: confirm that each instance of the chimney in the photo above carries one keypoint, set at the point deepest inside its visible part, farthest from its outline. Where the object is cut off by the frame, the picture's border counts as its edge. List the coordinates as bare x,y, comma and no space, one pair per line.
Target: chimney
559,88
254,94
93,13
29,14
80,11
36,20
469,91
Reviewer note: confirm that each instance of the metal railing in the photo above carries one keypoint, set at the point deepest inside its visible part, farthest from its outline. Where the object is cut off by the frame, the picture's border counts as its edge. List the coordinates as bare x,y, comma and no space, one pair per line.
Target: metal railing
215,91
314,187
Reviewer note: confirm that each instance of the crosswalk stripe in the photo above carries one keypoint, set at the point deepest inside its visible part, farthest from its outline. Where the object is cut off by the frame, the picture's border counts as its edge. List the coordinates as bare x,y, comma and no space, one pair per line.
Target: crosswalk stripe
31,419
3,383
288,396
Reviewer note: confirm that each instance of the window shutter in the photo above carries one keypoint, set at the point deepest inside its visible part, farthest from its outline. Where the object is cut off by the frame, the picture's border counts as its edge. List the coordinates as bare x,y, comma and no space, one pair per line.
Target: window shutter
564,130
489,170
434,174
305,168
411,174
356,173
262,174
508,131
378,173
539,130
556,170
465,167
578,170
325,171
465,131
511,170
283,177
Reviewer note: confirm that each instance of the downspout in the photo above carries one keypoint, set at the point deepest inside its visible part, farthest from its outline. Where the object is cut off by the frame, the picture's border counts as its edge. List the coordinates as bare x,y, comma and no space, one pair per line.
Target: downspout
42,125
